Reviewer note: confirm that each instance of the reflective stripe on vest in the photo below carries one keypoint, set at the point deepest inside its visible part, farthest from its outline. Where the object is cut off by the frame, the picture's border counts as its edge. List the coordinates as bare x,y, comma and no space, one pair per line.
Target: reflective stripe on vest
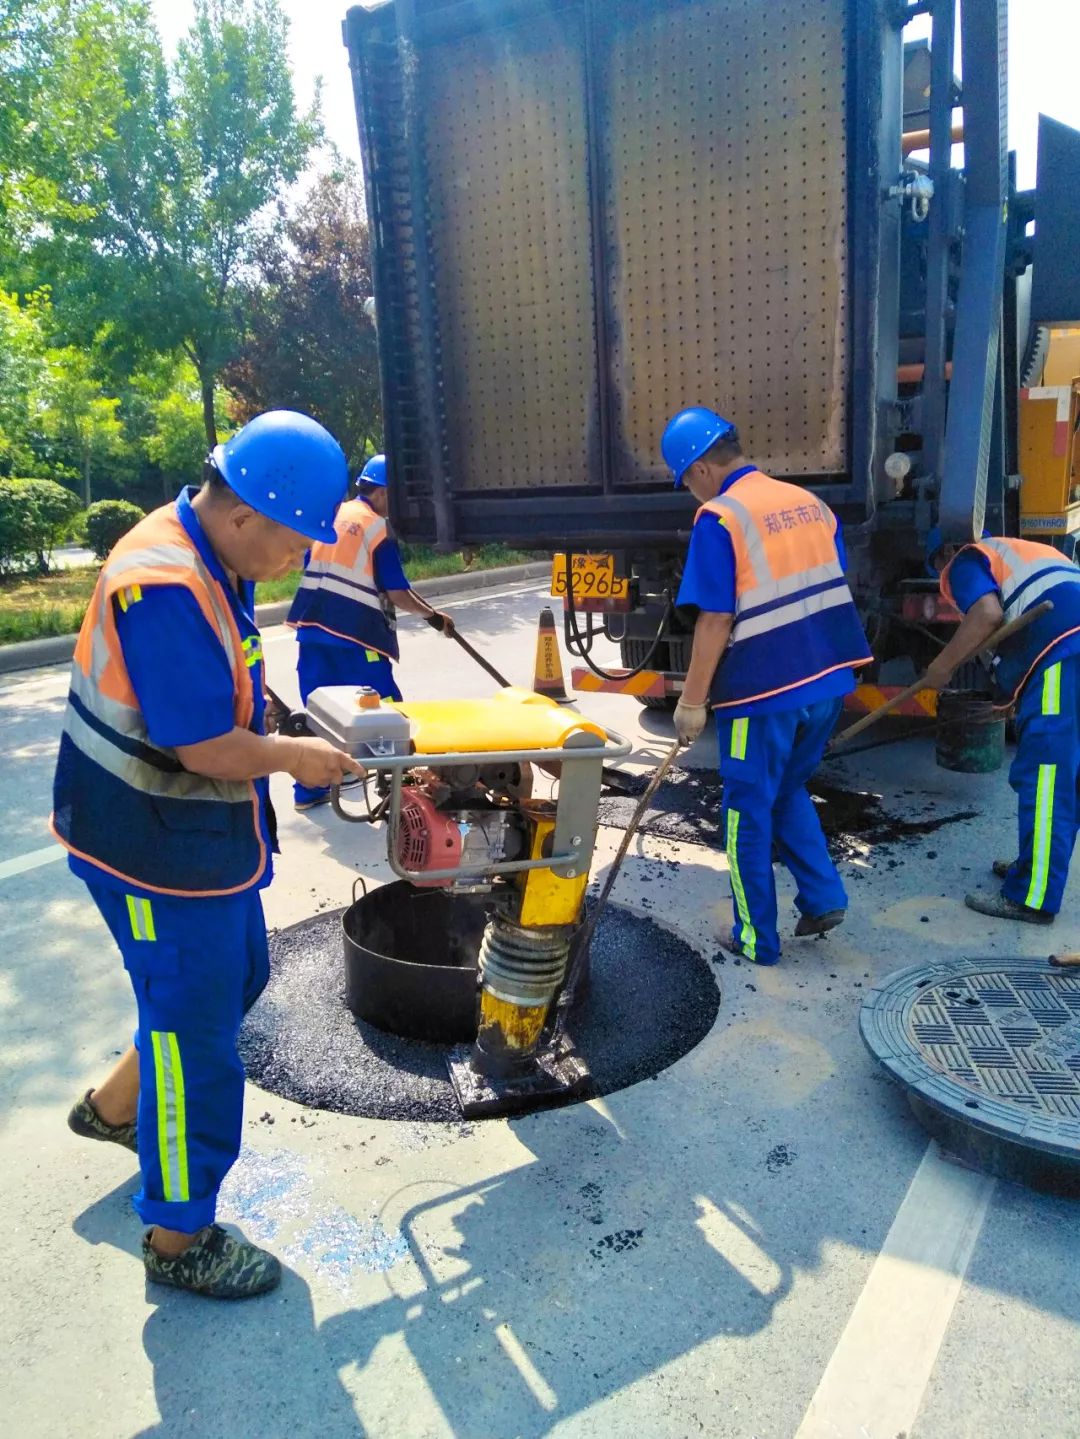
795,620
121,802
339,593
1026,573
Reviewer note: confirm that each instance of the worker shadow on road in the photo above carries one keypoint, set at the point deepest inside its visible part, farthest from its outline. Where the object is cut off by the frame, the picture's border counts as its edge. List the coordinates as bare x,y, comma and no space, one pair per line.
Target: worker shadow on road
525,1298
553,1287
623,1243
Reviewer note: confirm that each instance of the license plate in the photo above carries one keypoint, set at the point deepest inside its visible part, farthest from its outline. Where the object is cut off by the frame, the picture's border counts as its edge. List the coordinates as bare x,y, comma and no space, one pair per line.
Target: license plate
594,578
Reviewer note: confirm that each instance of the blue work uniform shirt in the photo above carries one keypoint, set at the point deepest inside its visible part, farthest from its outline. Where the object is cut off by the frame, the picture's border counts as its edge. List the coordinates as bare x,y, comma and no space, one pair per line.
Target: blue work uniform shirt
708,583
970,577
389,575
182,677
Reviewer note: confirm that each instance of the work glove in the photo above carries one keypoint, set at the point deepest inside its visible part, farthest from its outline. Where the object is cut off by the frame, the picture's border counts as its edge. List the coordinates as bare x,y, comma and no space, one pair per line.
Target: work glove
689,721
441,622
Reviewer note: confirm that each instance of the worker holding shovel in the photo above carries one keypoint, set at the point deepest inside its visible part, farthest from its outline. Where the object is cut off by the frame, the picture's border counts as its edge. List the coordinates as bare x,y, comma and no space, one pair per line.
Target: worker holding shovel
776,644
1002,581
345,611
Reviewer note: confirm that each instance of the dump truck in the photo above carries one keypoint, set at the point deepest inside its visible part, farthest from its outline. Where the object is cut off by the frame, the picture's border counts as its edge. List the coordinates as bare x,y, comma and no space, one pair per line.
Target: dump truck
586,215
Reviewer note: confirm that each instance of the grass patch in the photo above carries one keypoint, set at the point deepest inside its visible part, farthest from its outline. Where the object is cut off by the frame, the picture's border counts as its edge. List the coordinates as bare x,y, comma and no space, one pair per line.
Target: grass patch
34,607
421,563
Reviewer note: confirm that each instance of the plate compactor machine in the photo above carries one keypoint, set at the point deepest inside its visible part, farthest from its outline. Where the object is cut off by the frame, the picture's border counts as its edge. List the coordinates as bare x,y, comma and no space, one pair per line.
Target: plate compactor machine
453,780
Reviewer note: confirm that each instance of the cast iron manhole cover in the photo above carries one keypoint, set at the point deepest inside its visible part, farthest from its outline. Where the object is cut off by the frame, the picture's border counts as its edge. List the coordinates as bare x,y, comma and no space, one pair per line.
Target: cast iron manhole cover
989,1052
651,998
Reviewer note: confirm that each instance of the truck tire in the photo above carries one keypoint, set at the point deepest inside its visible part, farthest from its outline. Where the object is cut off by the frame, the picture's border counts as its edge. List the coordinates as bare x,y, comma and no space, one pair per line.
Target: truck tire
633,653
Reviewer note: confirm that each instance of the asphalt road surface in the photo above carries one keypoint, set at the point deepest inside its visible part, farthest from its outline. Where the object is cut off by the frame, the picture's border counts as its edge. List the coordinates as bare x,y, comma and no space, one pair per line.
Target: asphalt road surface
757,1241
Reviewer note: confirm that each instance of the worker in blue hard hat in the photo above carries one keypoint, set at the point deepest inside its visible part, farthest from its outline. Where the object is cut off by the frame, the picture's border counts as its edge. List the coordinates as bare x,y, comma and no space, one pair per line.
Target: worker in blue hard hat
776,643
993,581
161,798
345,611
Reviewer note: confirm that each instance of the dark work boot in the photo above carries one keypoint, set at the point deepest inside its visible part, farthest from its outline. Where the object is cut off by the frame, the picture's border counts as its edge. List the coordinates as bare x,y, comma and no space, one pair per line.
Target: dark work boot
85,1121
819,923
1001,867
216,1265
998,907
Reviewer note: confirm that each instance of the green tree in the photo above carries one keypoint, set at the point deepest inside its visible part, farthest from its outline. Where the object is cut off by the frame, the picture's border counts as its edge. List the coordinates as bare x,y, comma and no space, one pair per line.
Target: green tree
34,515
310,346
107,521
60,94
76,411
176,439
22,376
158,235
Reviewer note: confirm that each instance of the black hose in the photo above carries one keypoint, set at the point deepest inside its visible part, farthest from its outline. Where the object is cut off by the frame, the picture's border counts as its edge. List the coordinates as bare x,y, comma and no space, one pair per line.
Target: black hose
574,637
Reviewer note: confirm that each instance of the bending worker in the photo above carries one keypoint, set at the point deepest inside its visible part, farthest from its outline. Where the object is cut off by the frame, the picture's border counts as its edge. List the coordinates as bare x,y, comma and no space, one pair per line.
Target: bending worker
993,581
344,612
161,798
776,644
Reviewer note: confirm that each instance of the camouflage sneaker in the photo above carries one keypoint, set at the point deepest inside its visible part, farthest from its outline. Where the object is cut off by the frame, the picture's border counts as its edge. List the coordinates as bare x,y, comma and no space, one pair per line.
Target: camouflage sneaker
216,1265
84,1120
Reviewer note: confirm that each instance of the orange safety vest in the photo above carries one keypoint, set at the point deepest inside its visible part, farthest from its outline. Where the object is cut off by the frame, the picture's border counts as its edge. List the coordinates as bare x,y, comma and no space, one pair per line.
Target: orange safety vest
795,619
122,803
339,593
1026,572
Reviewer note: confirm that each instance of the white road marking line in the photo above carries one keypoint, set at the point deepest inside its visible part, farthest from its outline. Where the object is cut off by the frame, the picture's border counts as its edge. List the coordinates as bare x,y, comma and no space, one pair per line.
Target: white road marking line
34,860
874,1383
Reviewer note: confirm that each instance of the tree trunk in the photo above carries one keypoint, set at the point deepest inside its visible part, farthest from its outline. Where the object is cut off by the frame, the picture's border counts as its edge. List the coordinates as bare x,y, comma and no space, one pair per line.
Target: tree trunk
206,384
86,478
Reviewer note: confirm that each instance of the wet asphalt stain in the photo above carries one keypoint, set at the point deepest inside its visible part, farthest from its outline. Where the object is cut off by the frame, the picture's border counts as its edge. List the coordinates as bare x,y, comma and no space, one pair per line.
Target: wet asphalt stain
779,1158
651,999
686,808
618,1243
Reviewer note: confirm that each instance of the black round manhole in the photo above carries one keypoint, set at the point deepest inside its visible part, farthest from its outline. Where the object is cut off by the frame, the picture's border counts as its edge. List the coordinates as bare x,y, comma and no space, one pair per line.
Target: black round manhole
989,1052
651,999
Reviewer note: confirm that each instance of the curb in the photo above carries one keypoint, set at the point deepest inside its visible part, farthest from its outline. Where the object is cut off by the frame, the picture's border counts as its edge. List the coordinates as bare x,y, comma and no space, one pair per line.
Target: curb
58,649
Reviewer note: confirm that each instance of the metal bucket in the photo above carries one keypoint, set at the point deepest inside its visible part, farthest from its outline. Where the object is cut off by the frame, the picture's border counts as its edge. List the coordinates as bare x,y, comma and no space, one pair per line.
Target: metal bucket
411,959
970,732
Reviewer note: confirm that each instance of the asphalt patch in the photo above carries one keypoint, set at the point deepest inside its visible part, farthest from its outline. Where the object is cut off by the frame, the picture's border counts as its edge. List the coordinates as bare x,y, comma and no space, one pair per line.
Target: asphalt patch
686,808
651,999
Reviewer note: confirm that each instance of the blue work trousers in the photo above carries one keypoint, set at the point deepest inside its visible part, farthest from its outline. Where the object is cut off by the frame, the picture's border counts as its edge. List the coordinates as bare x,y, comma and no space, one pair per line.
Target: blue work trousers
339,664
196,966
1045,774
765,761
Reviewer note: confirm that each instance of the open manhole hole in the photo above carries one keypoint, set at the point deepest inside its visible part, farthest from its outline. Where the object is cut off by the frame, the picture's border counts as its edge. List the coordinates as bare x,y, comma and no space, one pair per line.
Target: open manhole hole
989,1053
651,998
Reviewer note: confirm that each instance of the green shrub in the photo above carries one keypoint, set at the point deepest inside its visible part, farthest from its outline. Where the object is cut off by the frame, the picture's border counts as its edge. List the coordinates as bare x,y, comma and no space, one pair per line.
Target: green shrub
34,517
108,521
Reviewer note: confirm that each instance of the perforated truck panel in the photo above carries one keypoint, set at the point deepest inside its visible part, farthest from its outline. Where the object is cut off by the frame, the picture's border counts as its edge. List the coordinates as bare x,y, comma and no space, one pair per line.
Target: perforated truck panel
726,228
510,234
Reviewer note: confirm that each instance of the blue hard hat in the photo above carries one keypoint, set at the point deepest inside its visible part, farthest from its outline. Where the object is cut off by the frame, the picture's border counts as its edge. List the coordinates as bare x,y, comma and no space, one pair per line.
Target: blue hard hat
289,468
689,435
374,472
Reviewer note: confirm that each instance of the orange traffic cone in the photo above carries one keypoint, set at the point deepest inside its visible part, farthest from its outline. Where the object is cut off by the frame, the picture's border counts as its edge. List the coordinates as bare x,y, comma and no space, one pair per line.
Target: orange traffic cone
548,679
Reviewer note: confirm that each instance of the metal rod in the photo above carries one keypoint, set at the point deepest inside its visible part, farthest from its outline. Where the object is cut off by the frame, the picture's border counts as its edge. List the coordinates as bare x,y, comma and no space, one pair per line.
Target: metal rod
1000,635
920,139
436,623
940,138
